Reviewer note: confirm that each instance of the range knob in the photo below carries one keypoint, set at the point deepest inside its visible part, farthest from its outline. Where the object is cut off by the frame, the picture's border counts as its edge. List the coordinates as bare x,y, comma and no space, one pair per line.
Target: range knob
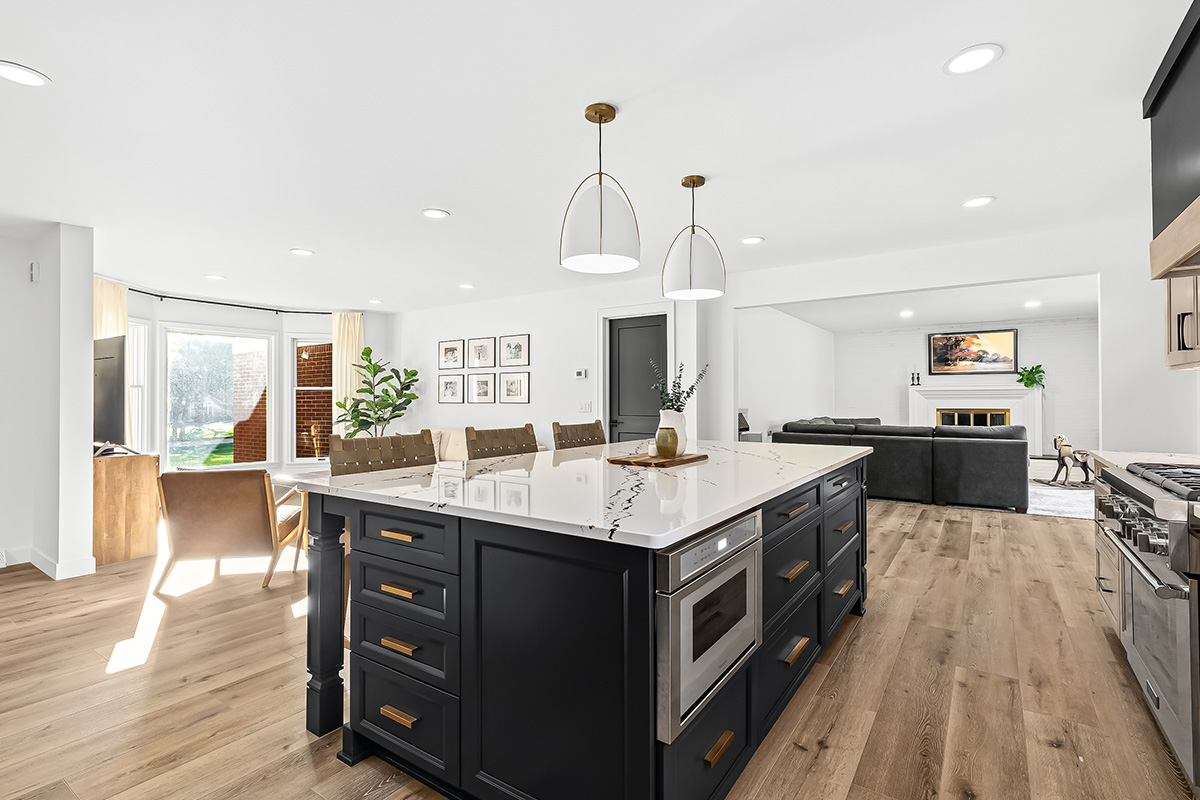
1143,542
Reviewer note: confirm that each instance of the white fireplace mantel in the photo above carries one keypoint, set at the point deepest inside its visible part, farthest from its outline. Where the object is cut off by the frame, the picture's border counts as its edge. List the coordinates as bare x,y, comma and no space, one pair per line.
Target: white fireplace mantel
1024,405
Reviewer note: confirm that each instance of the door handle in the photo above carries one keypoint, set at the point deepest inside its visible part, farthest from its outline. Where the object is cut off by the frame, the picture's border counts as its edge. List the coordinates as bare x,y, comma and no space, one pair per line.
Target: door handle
615,422
845,526
1181,321
795,571
800,647
791,513
846,587
400,536
843,483
395,714
399,591
1100,585
718,749
399,646
1153,694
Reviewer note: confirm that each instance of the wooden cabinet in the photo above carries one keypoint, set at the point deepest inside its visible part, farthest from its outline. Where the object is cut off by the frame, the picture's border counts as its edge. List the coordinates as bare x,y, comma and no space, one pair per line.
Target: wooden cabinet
1182,325
124,507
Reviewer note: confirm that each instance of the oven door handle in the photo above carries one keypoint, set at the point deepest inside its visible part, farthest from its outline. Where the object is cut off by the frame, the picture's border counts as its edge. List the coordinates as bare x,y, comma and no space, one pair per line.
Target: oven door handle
1166,591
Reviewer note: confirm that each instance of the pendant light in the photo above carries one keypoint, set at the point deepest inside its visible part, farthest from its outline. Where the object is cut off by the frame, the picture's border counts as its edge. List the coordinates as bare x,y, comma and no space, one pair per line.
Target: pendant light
694,268
600,231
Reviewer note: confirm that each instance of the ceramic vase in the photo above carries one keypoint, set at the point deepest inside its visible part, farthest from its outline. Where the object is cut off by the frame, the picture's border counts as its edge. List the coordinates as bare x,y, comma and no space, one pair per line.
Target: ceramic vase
676,420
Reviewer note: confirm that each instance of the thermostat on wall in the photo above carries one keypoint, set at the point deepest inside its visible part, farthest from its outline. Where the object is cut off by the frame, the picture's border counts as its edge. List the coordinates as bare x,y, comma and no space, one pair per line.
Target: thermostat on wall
580,374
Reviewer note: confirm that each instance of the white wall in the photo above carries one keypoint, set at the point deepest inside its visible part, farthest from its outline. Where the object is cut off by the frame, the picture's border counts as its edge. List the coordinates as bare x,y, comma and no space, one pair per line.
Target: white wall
785,368
564,335
22,402
872,373
1143,405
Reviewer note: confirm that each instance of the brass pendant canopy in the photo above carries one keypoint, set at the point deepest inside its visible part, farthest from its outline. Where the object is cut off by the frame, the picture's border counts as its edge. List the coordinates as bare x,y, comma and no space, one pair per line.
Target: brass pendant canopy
694,268
599,231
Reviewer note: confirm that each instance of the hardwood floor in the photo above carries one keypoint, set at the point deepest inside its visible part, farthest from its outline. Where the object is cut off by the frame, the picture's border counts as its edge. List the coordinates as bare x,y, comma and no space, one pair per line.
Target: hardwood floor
983,669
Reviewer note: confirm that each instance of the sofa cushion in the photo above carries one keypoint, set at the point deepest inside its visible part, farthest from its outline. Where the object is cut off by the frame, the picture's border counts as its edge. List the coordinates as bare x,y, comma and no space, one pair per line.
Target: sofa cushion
810,427
786,437
1014,432
899,467
856,420
893,430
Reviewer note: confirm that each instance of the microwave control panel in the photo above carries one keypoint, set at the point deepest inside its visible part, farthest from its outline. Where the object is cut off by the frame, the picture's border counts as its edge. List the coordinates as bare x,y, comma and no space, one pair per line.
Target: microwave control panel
708,550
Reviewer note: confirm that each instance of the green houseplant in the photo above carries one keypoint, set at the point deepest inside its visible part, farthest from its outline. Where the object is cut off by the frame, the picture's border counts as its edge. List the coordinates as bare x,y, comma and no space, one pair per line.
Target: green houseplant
672,398
1031,376
383,398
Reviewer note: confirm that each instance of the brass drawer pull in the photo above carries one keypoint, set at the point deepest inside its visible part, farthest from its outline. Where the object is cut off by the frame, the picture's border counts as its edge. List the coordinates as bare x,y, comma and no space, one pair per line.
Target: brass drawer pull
399,536
407,720
797,510
845,526
846,587
718,749
842,484
399,646
800,647
399,591
795,571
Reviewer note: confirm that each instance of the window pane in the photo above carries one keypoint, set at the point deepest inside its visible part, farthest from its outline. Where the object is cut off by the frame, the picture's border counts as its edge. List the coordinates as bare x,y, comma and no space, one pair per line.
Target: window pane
216,399
313,406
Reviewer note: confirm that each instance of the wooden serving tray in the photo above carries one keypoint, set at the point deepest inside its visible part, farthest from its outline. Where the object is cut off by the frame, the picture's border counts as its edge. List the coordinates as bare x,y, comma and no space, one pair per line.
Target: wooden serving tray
646,460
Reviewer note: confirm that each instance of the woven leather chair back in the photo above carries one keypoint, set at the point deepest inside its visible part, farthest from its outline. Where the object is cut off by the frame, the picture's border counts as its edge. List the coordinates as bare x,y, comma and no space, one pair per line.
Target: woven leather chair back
501,442
373,453
585,435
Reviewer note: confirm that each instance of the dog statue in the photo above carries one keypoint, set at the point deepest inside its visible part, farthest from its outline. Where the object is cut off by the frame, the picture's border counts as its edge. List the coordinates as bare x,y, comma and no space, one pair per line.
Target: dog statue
1068,458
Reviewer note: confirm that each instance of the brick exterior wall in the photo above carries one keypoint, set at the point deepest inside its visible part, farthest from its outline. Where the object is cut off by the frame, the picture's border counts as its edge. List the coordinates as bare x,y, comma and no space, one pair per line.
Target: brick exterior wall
314,408
249,407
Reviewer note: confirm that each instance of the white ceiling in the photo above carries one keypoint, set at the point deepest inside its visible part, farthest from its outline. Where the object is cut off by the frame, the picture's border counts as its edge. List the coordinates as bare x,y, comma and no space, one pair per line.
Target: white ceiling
1076,296
212,137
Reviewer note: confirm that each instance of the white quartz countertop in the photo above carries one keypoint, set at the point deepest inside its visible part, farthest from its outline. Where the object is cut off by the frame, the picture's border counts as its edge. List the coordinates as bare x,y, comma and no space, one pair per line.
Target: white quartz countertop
577,492
1119,459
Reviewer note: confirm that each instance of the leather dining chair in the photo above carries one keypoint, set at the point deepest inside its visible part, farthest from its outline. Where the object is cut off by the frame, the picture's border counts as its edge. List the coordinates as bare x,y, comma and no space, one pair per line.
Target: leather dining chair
216,514
585,435
500,441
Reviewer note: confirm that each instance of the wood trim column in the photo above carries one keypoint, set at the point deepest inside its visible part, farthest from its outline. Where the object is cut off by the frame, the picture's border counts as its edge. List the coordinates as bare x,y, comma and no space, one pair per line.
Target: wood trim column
326,568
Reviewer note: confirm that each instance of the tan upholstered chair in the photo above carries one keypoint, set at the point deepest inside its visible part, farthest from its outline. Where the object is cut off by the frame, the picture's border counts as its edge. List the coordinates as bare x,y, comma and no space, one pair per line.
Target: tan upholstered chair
372,453
501,442
585,435
226,514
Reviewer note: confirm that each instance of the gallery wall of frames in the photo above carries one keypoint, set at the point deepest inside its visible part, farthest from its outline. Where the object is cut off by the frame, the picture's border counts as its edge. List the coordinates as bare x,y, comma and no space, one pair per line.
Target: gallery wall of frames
496,353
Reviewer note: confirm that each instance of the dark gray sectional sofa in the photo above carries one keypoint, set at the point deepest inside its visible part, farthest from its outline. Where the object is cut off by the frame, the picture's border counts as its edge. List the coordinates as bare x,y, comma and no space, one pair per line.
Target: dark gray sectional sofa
947,464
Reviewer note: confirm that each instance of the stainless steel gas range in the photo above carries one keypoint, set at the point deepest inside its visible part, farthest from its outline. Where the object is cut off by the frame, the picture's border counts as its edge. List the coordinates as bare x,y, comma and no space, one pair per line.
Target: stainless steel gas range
1147,566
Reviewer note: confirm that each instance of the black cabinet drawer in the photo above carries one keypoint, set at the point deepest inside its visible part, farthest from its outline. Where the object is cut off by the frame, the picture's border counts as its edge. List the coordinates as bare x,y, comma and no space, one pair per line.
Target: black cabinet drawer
785,657
843,586
427,540
838,482
412,720
790,507
842,526
425,595
405,645
790,566
699,760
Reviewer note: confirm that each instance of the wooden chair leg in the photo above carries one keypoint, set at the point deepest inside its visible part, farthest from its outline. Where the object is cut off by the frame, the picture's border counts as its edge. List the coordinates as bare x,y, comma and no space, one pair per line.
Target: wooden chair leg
162,579
271,568
299,542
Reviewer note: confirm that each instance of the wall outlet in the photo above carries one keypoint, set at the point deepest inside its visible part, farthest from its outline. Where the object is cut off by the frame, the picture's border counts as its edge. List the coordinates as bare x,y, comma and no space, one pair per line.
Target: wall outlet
580,374
585,407
3,559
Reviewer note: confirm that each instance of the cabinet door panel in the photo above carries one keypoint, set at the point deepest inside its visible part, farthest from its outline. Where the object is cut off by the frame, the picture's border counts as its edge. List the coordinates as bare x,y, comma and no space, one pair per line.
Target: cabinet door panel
1183,343
558,661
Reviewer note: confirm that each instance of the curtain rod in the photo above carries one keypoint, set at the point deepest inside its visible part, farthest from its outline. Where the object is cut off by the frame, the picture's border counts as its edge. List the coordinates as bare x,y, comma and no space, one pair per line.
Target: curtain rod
229,305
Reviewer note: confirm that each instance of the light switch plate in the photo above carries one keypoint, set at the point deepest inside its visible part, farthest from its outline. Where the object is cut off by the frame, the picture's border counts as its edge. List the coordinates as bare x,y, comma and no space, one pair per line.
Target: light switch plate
585,407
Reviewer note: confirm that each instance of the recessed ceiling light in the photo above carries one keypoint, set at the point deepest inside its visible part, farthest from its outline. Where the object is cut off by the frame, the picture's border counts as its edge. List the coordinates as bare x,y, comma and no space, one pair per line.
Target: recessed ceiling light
973,58
300,251
18,73
976,202
1033,303
374,302
435,213
466,286
906,313
215,277
753,240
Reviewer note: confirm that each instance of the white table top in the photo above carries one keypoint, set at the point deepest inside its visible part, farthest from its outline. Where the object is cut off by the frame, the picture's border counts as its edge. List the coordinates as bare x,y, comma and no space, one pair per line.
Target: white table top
1120,459
577,492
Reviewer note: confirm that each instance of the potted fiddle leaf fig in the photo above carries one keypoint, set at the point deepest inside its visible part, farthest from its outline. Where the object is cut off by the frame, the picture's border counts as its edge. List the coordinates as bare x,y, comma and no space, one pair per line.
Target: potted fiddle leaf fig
383,398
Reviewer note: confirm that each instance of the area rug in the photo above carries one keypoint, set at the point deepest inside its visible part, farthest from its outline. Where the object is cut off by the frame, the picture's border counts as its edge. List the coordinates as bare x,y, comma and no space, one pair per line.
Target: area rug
1055,500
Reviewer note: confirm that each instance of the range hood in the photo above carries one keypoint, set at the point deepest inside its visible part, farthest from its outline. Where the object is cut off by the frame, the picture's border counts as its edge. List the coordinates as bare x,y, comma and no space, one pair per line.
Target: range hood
1175,253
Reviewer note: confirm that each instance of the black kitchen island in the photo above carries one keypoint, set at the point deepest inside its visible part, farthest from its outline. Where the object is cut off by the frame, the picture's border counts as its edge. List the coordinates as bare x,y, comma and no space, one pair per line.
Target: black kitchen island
552,626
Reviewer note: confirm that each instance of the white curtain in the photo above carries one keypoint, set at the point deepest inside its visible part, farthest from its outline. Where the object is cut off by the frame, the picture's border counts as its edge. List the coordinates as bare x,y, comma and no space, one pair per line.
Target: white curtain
347,351
110,317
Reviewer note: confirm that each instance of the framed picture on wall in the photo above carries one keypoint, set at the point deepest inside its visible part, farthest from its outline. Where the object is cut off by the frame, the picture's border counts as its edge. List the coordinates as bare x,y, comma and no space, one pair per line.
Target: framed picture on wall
514,350
481,387
985,351
450,354
450,388
514,387
481,353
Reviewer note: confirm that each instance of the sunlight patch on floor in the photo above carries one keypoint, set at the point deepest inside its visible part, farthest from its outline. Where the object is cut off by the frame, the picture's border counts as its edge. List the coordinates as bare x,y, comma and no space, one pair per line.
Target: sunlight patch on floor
300,608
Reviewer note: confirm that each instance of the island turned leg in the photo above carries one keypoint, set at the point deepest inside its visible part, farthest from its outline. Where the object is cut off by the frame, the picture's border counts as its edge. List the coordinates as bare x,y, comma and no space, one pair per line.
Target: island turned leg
326,568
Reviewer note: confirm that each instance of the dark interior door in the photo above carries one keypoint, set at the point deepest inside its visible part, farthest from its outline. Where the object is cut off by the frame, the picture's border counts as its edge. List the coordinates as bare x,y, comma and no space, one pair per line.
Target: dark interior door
632,401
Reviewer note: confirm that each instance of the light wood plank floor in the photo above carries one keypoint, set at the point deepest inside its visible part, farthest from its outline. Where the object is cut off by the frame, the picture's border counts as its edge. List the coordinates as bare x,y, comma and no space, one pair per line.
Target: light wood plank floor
983,669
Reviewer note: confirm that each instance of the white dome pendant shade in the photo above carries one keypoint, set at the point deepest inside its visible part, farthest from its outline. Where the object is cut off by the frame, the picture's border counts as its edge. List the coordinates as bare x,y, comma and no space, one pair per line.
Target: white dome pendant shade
600,231
694,268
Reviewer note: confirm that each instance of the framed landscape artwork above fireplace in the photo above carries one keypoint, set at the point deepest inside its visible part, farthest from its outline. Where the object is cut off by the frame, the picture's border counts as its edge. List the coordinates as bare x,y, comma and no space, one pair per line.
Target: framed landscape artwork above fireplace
984,351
